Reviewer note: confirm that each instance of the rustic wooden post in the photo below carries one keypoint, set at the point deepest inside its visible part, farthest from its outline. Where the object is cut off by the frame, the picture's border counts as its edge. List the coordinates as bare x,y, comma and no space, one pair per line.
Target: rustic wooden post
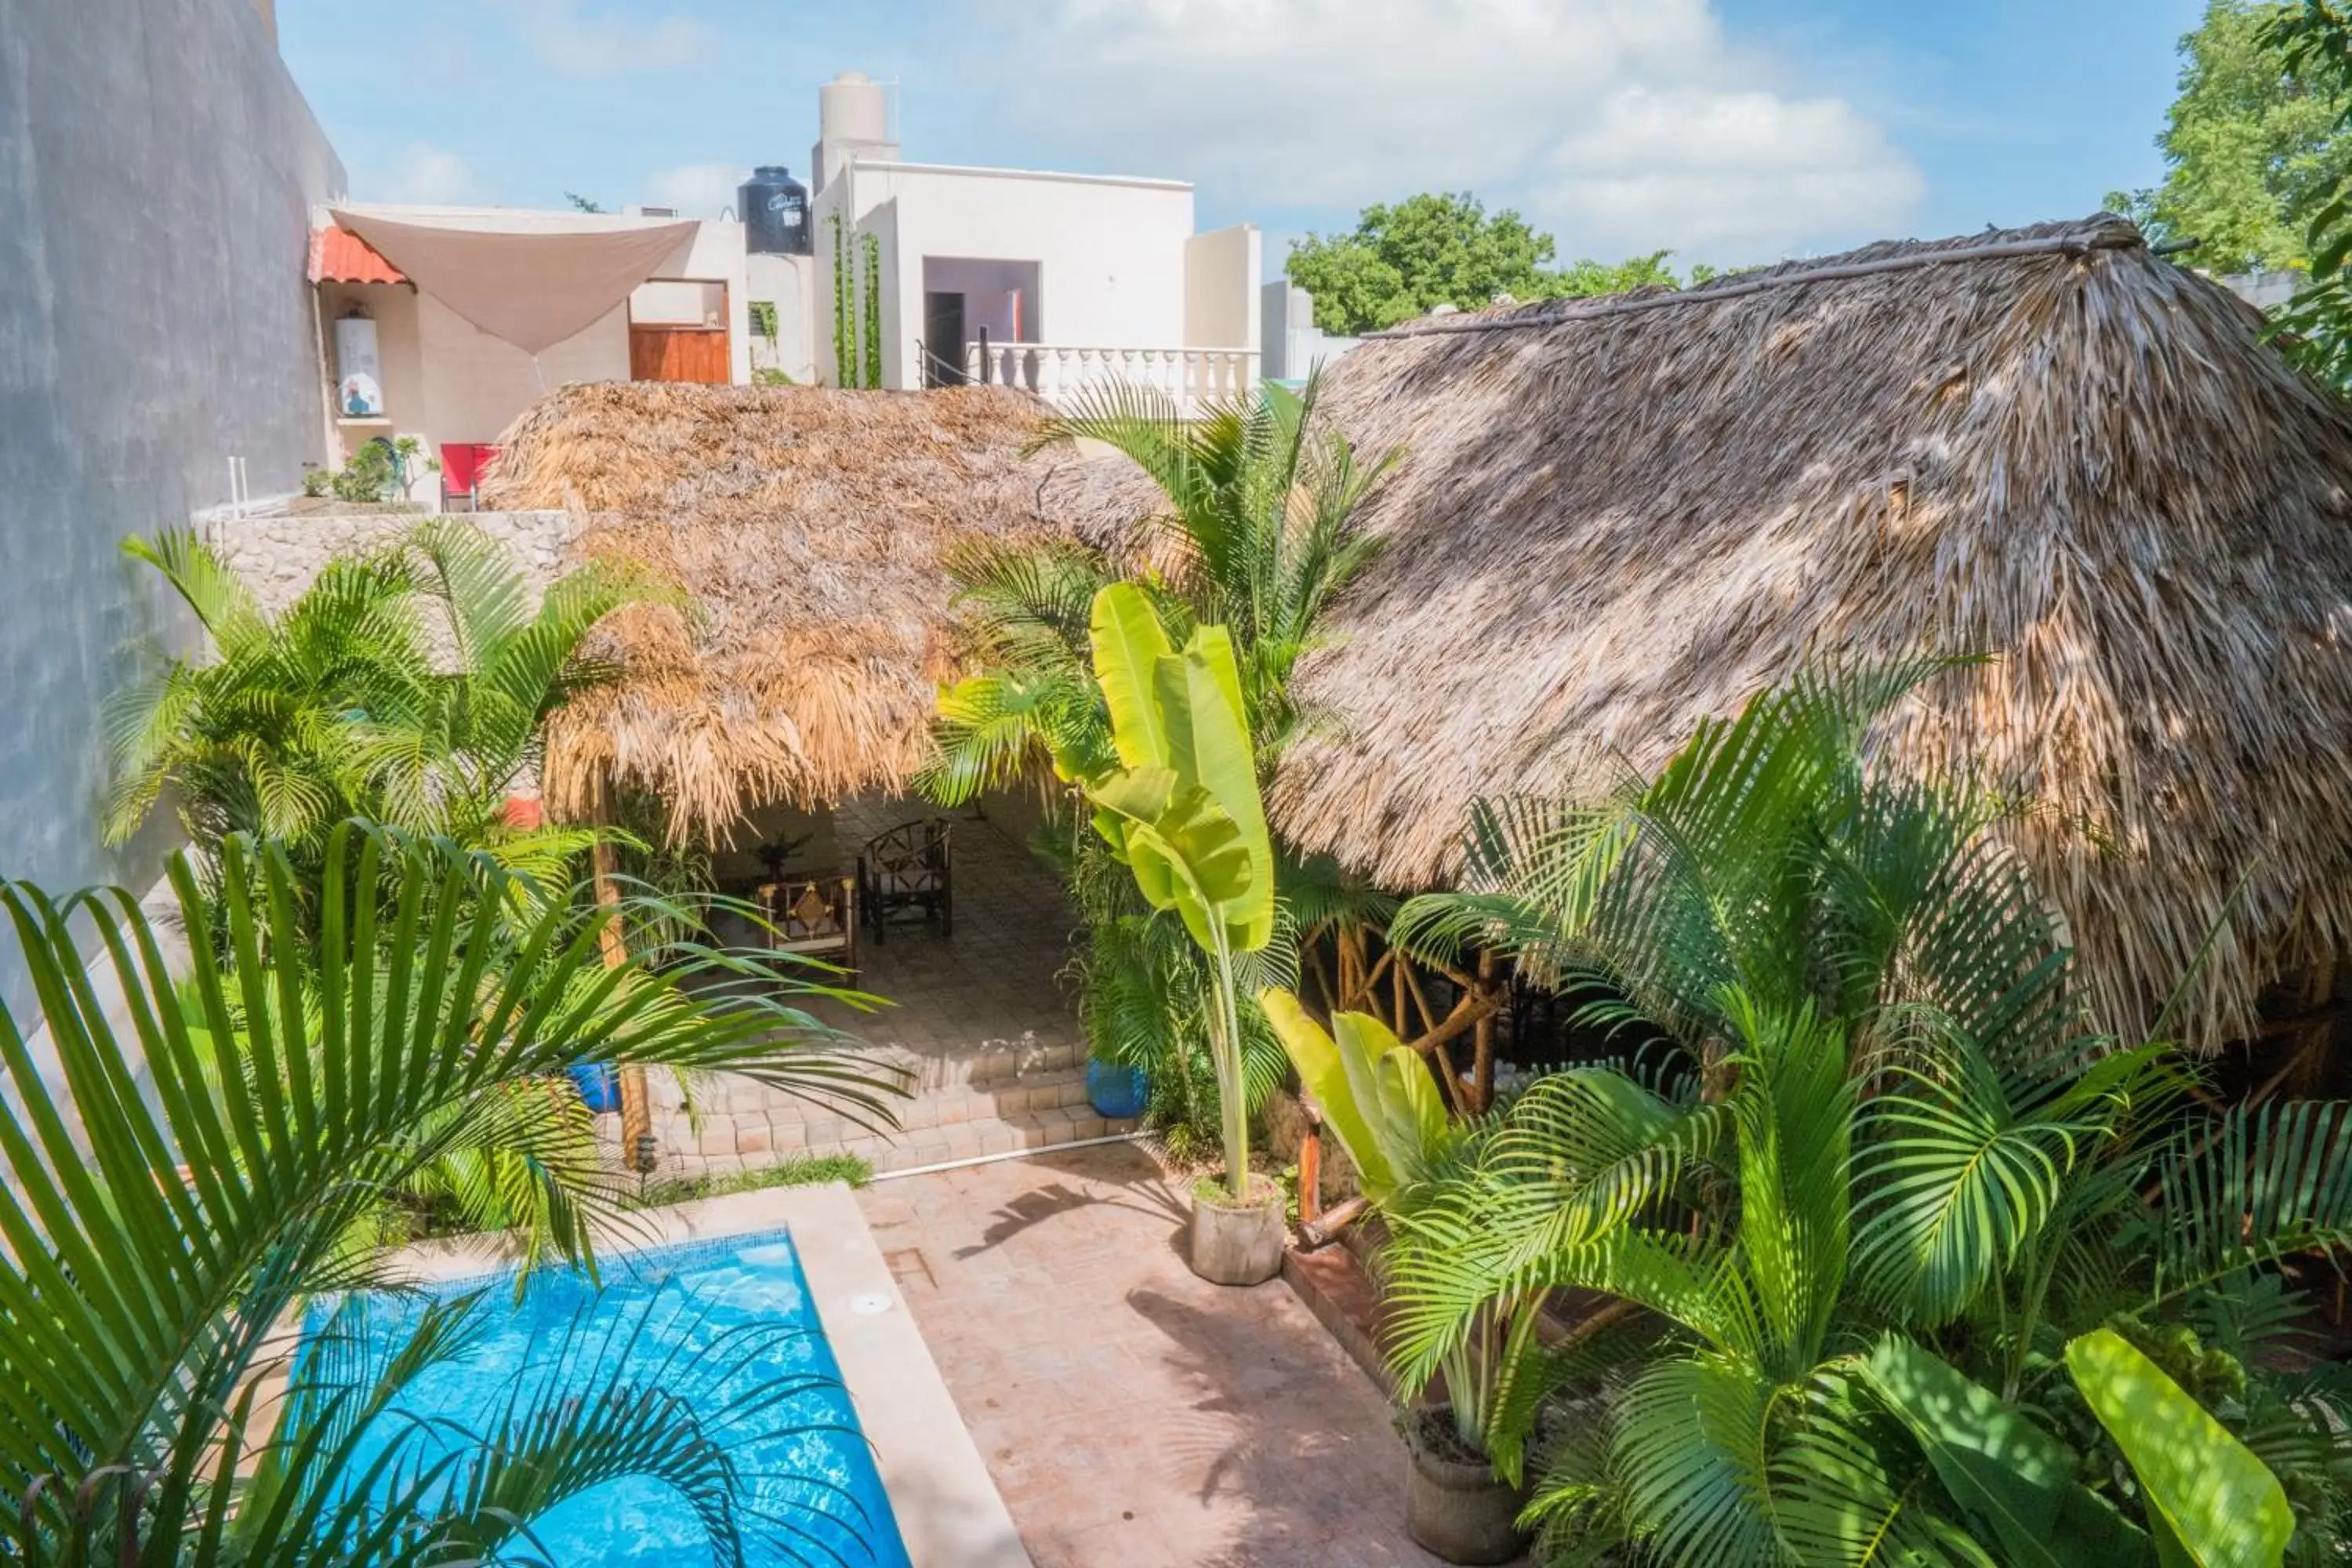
1482,1062
636,1111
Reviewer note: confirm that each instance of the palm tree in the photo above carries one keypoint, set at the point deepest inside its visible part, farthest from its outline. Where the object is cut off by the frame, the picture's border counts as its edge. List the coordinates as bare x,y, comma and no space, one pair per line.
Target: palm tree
407,687
177,1176
1257,531
1868,1196
1260,526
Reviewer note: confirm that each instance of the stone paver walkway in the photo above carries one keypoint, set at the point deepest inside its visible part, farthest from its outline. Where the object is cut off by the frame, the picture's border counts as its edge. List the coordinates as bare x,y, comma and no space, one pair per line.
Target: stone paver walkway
979,1022
1132,1416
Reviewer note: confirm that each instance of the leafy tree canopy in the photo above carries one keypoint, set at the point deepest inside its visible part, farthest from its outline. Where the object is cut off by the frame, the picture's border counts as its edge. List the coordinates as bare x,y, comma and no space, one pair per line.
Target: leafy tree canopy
2251,147
1443,247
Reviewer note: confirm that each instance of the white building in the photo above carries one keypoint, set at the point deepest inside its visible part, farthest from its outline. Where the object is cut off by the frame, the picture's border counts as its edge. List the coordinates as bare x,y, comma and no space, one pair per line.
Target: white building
1294,347
1042,280
443,325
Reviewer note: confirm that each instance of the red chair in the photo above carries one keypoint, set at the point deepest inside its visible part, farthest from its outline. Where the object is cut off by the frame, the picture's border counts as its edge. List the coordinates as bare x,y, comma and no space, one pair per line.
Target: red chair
463,464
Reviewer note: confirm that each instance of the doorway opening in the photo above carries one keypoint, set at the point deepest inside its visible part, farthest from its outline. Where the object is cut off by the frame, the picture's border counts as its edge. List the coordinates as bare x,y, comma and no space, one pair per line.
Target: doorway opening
968,302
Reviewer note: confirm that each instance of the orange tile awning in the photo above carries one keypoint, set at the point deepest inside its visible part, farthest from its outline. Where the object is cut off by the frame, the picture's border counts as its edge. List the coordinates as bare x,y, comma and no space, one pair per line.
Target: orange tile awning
338,256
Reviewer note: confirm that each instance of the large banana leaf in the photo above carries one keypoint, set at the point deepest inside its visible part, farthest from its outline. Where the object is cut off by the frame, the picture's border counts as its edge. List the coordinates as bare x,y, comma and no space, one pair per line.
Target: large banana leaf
1184,810
2211,1502
2012,1478
1209,745
160,1207
1128,645
1373,1091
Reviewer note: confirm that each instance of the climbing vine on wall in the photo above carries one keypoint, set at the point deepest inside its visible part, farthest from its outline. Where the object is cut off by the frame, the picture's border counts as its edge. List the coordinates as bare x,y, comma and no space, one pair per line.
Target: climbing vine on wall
857,322
873,312
845,309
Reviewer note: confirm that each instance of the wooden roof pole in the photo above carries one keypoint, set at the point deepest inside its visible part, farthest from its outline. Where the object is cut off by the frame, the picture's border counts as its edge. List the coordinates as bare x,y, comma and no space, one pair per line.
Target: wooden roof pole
605,859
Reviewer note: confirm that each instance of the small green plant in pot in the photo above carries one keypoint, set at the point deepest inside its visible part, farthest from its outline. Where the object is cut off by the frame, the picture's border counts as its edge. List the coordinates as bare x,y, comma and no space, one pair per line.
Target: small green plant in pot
1181,810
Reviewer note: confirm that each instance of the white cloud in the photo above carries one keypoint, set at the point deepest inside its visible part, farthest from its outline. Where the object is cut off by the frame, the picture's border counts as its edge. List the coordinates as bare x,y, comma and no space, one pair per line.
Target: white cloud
430,177
1726,173
576,44
1621,125
696,190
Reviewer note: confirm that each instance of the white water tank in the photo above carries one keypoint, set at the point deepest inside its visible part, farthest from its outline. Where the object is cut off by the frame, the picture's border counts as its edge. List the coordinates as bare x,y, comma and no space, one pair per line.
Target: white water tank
853,120
852,108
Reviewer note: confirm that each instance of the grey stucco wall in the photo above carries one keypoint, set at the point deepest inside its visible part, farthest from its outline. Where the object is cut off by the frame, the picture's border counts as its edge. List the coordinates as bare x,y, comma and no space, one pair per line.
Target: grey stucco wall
157,166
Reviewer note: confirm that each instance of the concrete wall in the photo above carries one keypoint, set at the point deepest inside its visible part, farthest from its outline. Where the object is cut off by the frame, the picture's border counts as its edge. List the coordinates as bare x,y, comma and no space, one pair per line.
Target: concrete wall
1221,289
157,168
1110,253
789,283
1291,344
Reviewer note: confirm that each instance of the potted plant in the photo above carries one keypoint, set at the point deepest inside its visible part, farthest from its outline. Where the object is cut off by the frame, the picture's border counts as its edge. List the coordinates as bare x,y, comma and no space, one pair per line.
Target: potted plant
1377,1098
1119,1091
1181,810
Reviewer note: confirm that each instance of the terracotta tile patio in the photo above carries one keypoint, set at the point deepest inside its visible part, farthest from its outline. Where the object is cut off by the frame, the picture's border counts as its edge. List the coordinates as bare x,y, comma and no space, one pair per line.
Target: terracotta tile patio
1132,1416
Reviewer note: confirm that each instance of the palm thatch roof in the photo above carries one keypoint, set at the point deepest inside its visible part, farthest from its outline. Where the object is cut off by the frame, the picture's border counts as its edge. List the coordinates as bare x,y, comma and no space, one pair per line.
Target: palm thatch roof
807,526
2051,445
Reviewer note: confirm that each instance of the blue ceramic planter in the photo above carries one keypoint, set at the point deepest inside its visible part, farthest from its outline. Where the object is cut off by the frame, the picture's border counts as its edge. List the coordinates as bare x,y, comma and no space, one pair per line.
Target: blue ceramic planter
1118,1093
599,1084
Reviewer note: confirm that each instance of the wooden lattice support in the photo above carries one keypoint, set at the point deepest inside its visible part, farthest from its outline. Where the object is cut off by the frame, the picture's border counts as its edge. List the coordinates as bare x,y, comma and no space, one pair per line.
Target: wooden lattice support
1357,986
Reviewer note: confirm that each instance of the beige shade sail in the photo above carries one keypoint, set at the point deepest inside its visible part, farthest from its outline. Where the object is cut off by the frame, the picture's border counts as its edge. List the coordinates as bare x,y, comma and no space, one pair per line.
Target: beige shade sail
533,285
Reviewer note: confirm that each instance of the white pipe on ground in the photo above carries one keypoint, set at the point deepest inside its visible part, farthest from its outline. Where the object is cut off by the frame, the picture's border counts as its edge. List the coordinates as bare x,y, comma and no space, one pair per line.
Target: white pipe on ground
881,1176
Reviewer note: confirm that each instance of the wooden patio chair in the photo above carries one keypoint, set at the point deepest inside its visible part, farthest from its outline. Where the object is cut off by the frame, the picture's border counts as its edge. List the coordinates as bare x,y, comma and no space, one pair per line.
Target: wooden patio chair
908,868
815,916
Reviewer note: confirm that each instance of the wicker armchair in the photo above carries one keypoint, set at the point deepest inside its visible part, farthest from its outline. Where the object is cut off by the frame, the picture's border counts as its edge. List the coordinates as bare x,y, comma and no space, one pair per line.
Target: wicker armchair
814,915
907,869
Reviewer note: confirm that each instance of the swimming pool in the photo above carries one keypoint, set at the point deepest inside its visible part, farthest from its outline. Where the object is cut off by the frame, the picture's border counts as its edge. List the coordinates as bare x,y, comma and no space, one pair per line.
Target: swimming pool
726,1328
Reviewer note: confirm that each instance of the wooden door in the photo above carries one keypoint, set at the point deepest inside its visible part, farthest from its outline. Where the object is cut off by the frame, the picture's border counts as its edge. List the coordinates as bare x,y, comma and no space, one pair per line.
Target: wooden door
679,353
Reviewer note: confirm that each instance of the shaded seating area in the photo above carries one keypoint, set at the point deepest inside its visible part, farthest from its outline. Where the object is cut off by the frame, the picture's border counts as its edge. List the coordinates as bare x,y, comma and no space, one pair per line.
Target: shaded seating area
816,917
909,870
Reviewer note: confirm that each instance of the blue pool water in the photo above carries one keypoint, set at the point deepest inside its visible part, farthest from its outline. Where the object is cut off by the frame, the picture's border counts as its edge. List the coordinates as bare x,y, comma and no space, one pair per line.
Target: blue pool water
724,1329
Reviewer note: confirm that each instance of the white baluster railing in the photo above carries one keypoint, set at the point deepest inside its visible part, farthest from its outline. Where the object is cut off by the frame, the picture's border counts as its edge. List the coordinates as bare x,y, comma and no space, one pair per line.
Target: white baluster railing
1190,378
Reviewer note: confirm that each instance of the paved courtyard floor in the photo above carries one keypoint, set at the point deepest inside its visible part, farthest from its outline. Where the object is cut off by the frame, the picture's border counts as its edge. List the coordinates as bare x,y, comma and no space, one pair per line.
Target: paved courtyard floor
1132,1416
997,979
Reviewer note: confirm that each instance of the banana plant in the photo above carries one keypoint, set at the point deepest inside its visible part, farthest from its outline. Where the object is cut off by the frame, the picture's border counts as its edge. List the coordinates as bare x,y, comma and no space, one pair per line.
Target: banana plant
1181,809
2211,1502
1375,1094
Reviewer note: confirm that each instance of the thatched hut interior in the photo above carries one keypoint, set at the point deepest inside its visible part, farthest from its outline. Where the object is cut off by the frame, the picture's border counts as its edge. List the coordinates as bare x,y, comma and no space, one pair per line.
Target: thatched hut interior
2052,445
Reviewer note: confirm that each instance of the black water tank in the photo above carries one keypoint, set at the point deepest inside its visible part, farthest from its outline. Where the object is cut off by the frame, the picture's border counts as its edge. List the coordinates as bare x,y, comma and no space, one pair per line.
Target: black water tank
775,212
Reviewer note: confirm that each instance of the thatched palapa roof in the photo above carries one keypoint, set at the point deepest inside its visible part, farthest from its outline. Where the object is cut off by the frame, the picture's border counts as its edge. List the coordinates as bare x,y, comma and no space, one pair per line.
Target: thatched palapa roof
807,524
1616,517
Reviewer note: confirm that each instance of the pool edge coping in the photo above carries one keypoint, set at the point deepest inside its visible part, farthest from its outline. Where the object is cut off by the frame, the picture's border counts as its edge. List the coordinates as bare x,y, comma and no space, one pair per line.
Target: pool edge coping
949,1513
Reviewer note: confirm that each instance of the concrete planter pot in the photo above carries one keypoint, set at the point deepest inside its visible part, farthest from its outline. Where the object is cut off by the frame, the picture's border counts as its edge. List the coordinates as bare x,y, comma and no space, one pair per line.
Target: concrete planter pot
1455,1508
1232,1244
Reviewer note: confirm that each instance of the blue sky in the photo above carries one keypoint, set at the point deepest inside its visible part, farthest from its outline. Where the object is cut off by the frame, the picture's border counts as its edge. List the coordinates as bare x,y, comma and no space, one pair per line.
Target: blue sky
1727,131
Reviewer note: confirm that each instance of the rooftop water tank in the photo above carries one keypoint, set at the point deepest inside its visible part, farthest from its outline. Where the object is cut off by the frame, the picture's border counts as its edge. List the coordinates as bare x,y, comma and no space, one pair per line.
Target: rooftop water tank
852,108
775,211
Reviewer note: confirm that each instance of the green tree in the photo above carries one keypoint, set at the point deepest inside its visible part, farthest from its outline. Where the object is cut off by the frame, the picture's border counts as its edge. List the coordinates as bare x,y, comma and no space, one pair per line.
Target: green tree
2251,147
1441,249
340,706
2314,39
1871,1194
1257,529
182,1171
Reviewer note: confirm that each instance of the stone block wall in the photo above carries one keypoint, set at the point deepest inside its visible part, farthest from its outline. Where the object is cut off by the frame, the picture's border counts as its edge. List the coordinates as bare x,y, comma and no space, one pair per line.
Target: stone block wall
278,556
